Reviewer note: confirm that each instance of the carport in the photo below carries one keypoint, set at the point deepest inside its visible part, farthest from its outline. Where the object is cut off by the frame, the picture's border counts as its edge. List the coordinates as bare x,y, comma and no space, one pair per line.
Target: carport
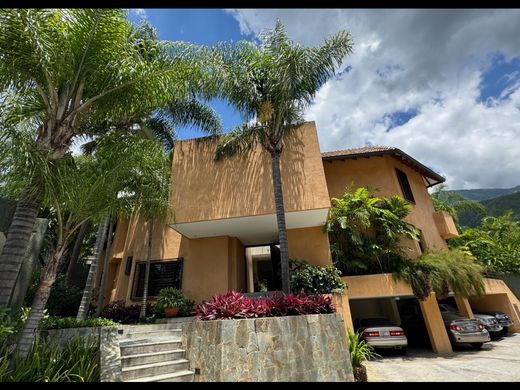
375,295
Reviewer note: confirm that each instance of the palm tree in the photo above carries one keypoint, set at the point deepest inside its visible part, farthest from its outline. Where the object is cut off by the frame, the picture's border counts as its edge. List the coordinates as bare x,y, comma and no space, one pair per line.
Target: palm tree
62,68
271,85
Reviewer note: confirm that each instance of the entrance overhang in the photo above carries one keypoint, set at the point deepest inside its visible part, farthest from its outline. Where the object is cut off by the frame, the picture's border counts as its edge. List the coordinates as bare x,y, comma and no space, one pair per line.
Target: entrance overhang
252,230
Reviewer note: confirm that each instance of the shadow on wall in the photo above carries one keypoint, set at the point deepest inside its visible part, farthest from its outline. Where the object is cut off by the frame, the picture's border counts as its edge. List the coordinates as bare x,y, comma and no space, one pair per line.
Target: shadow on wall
205,189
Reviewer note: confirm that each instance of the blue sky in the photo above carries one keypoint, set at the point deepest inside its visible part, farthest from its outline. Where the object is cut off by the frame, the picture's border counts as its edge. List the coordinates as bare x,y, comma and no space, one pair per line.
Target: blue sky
201,26
443,85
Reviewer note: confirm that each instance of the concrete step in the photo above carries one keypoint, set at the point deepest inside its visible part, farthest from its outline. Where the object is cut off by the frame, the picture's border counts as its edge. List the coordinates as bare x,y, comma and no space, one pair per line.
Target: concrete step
154,369
152,334
137,347
152,357
180,376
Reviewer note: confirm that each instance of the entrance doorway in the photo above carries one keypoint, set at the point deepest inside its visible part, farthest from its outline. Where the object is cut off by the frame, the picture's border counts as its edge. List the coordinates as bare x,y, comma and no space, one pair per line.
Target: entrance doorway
263,268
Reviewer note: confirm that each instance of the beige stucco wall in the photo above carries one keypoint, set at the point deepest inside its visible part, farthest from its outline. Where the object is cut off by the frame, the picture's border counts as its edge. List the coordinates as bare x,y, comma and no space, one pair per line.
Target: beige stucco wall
309,244
203,189
376,286
379,173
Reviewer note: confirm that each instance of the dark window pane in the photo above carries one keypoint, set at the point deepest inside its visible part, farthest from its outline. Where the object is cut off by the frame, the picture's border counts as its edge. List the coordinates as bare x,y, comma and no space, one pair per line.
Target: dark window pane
162,274
128,266
405,185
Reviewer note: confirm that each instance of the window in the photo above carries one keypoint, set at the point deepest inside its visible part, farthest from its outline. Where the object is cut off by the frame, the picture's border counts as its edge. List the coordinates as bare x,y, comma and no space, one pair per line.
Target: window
421,242
128,265
163,273
405,185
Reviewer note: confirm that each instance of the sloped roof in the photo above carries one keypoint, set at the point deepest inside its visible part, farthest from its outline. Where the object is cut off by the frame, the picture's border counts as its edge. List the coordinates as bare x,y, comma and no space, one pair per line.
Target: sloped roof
431,178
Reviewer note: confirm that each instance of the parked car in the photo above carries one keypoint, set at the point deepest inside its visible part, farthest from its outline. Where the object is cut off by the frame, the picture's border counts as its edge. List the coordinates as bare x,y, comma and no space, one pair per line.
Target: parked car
490,321
379,332
463,330
460,330
491,324
502,318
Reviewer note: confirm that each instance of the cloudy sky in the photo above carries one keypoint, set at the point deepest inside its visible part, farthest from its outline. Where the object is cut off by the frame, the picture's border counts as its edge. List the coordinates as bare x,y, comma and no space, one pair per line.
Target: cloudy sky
442,85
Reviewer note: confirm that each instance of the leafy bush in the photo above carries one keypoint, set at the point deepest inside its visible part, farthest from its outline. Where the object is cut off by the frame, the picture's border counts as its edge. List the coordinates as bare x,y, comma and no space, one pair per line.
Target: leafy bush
365,232
314,279
63,300
119,312
441,270
11,322
234,305
77,361
172,297
71,322
359,350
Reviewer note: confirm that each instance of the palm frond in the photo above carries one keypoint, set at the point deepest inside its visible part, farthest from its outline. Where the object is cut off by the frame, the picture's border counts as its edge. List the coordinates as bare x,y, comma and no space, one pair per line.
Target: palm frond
238,141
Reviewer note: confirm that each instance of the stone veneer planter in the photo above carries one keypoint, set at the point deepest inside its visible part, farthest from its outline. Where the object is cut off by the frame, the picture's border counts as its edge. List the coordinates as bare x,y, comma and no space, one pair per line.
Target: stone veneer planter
294,348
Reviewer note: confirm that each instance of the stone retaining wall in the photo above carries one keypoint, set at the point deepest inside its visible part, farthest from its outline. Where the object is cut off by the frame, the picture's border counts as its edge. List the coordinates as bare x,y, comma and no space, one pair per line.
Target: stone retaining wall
296,348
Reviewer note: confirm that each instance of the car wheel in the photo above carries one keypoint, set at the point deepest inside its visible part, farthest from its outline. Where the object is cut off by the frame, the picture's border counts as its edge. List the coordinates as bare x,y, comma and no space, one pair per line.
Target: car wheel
402,351
503,331
476,345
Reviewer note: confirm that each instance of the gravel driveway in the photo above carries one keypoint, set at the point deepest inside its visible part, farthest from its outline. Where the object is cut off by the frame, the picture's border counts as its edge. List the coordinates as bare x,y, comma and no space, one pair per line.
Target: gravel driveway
496,361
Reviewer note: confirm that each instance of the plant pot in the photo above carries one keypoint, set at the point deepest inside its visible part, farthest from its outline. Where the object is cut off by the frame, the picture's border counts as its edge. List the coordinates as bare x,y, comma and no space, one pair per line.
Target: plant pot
170,311
360,374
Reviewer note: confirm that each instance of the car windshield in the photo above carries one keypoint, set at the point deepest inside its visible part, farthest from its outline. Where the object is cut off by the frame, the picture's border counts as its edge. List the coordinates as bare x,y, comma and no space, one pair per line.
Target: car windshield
376,322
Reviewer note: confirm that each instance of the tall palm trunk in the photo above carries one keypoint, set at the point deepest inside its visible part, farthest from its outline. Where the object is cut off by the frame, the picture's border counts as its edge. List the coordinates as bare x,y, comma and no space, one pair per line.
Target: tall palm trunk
47,278
16,243
280,219
142,314
74,266
101,293
87,291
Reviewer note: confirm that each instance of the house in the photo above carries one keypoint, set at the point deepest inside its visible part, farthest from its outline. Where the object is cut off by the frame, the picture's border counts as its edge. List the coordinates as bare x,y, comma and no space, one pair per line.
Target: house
224,233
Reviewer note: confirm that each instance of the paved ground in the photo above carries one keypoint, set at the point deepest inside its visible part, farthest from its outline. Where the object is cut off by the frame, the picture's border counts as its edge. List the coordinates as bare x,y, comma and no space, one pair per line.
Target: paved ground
497,361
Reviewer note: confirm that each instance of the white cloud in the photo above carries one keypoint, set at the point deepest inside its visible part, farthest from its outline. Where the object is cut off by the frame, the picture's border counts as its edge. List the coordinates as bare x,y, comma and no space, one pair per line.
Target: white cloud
138,12
429,61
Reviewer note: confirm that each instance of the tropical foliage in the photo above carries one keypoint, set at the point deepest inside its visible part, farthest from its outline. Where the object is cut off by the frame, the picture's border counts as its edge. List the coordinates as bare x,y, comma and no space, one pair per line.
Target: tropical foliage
271,85
71,322
118,311
77,361
359,349
366,232
234,305
172,297
442,271
313,279
495,244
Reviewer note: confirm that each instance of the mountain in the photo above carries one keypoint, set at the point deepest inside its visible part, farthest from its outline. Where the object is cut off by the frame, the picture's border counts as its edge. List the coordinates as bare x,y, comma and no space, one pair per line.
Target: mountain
498,205
508,199
480,194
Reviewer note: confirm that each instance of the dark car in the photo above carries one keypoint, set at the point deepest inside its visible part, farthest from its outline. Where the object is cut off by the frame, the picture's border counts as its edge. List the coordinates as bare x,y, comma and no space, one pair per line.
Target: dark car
502,318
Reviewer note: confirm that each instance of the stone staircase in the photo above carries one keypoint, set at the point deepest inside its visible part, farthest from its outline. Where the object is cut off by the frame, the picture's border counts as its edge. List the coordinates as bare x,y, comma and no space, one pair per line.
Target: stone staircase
153,353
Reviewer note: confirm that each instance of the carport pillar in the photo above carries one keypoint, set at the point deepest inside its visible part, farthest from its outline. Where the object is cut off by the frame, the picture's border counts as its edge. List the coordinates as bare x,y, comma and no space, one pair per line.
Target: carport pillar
343,306
435,325
464,306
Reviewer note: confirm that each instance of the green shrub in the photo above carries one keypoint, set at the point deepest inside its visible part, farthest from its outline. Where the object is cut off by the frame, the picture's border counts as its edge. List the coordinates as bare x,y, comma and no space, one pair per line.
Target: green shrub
314,279
71,322
77,361
172,297
63,301
359,350
441,271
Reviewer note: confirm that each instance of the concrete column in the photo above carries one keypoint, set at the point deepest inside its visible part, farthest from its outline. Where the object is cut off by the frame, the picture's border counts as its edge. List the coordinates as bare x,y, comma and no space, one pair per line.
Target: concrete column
435,325
343,306
464,306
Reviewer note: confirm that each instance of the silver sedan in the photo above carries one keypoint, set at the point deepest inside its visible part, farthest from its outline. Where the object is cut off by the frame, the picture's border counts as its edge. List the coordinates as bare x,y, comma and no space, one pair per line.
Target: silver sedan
379,332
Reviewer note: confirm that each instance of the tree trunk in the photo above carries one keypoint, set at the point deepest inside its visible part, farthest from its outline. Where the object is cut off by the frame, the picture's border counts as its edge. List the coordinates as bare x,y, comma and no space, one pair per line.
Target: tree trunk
101,293
142,314
48,276
87,291
17,241
74,266
280,219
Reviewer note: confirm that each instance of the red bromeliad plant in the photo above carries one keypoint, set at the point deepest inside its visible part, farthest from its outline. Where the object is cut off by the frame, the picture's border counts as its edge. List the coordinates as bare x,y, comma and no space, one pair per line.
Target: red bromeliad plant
234,305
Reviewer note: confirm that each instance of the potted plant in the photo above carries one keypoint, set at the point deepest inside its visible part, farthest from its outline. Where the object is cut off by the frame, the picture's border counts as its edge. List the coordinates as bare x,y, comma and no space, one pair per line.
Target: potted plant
171,300
359,352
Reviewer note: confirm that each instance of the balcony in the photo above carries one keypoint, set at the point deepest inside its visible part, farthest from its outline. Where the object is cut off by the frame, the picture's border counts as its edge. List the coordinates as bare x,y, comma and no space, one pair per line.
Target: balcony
445,225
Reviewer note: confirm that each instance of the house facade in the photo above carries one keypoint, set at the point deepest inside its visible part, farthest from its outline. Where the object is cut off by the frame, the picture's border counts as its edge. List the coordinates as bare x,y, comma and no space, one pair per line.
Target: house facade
224,235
